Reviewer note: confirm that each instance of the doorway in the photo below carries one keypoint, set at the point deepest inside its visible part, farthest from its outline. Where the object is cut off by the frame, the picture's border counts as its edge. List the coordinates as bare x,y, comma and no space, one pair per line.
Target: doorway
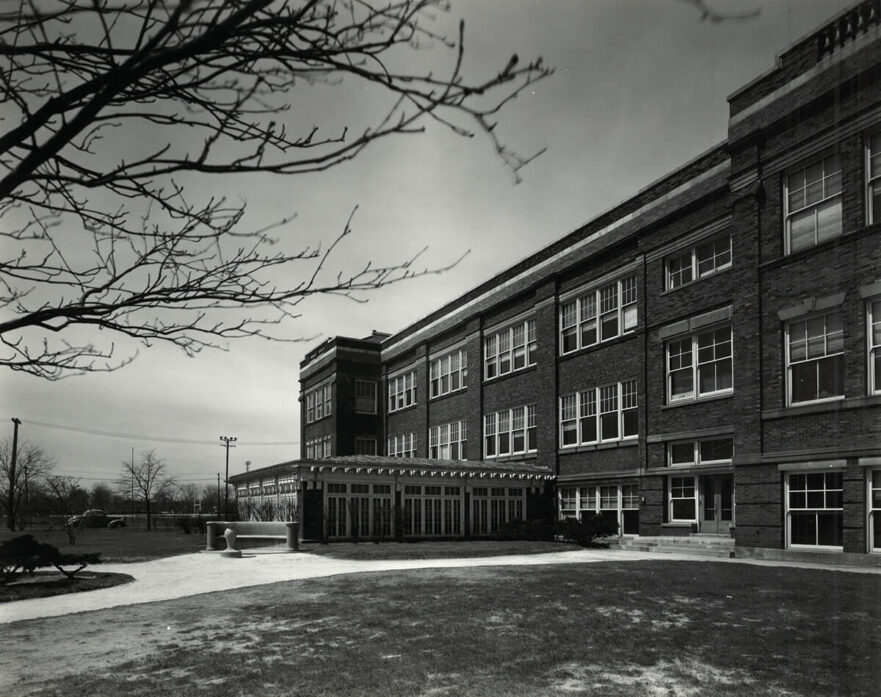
717,503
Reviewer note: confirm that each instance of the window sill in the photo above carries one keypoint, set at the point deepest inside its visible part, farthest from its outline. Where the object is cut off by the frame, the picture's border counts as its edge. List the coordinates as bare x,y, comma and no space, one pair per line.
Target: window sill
402,410
519,371
846,237
451,393
713,274
829,405
593,447
318,421
531,455
698,400
601,345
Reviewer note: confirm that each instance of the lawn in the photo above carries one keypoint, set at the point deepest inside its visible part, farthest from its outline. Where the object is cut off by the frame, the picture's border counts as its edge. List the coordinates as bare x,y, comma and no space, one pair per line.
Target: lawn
430,549
625,628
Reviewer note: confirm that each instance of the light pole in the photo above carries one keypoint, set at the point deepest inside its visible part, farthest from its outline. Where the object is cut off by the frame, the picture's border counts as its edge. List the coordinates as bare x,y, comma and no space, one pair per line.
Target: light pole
227,443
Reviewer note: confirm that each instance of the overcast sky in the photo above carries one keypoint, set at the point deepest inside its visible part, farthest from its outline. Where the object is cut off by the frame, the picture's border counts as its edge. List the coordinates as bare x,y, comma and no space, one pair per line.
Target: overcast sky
640,88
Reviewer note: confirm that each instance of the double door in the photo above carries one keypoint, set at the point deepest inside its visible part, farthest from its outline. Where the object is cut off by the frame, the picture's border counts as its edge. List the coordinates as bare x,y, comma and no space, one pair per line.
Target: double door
716,503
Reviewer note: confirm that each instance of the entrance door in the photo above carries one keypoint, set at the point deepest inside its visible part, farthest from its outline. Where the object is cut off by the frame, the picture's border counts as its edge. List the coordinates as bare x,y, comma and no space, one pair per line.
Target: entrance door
717,503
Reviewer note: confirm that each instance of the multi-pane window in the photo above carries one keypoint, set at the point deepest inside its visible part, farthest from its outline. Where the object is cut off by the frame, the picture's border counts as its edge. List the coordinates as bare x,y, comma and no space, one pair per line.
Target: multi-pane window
875,509
617,503
402,391
708,451
365,446
699,365
510,349
448,373
317,448
365,397
815,358
447,441
813,203
701,260
683,499
509,432
599,414
318,403
598,315
403,445
814,508
875,346
873,170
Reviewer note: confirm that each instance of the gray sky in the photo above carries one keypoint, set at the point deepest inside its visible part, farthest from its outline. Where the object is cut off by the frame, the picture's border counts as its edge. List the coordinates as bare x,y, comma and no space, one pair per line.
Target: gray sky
640,88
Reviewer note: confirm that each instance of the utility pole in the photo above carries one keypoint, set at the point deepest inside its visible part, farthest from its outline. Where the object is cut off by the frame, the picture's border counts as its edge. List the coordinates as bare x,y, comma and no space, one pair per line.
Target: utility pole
10,518
132,490
227,443
218,494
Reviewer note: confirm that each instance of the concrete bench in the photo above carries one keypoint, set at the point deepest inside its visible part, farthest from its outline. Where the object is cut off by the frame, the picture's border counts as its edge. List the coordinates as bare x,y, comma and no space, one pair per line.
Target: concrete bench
252,530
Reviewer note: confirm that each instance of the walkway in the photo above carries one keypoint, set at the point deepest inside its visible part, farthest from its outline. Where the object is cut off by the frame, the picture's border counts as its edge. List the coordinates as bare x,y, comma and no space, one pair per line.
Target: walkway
203,572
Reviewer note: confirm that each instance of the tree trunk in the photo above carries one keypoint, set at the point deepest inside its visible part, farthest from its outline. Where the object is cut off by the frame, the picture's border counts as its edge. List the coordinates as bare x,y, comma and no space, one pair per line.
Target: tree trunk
147,504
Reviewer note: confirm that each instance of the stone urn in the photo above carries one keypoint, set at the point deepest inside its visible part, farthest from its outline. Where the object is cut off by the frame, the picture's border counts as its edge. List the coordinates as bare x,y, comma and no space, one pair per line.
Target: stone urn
230,536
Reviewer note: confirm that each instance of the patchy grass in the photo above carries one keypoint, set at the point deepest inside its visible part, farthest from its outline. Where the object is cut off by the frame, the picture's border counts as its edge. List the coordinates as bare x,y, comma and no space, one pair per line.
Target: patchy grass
685,629
44,584
429,549
118,544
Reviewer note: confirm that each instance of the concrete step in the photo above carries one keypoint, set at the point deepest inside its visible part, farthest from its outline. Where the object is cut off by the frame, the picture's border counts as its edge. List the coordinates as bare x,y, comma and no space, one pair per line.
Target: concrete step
717,546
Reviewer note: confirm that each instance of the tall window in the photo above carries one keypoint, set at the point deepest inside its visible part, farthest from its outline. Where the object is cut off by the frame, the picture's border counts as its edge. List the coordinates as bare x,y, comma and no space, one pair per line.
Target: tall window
317,448
510,349
448,373
875,346
874,176
403,445
875,509
402,391
814,509
699,365
365,396
600,414
447,441
700,261
813,203
709,451
815,365
598,315
509,432
683,499
318,403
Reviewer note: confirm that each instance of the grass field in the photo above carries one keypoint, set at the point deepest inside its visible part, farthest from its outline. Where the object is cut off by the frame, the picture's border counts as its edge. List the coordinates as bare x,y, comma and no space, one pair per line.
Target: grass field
663,627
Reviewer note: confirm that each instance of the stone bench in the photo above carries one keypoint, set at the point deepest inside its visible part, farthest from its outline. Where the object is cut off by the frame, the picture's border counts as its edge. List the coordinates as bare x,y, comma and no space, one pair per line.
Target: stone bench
250,530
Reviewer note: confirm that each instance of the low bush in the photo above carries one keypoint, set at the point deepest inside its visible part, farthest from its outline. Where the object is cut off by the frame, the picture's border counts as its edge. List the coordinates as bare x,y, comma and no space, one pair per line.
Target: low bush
23,554
539,529
587,531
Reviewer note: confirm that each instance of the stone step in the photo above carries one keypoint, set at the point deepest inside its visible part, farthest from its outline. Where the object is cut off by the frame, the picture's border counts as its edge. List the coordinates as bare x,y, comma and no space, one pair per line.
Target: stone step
719,547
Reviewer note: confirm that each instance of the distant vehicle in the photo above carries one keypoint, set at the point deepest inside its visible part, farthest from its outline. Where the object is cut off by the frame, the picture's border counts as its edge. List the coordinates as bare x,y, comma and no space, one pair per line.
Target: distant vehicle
117,523
93,518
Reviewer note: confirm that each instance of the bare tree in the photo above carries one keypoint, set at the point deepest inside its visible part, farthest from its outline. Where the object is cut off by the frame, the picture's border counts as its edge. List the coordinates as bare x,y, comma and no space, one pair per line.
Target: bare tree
101,496
123,105
32,464
147,475
67,495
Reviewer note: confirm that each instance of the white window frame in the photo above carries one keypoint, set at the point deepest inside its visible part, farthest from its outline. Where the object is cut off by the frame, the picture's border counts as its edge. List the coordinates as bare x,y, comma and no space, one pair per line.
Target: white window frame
503,349
830,184
402,445
360,386
873,507
694,348
618,300
873,334
578,408
447,370
671,499
503,427
790,363
697,458
318,448
691,258
816,510
319,401
873,177
402,391
447,441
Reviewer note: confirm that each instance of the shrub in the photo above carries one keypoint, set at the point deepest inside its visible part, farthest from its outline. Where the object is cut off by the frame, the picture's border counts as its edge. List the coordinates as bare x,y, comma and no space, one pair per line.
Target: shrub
588,530
23,554
184,524
538,529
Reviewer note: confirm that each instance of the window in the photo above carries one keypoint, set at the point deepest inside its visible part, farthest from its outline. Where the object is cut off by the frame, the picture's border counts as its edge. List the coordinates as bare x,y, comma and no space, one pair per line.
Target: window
509,432
582,422
683,499
873,170
699,365
318,403
702,260
875,346
815,365
317,448
814,509
509,350
875,509
365,446
402,391
617,503
598,315
709,451
403,445
365,397
813,203
447,441
448,373
568,504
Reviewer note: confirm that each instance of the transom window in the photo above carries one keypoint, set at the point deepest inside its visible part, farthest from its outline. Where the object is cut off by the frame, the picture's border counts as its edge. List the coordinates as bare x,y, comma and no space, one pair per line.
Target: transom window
813,203
510,349
599,414
703,259
448,373
402,391
815,511
598,315
699,365
365,396
447,441
509,432
403,445
318,403
708,451
875,346
815,360
873,169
